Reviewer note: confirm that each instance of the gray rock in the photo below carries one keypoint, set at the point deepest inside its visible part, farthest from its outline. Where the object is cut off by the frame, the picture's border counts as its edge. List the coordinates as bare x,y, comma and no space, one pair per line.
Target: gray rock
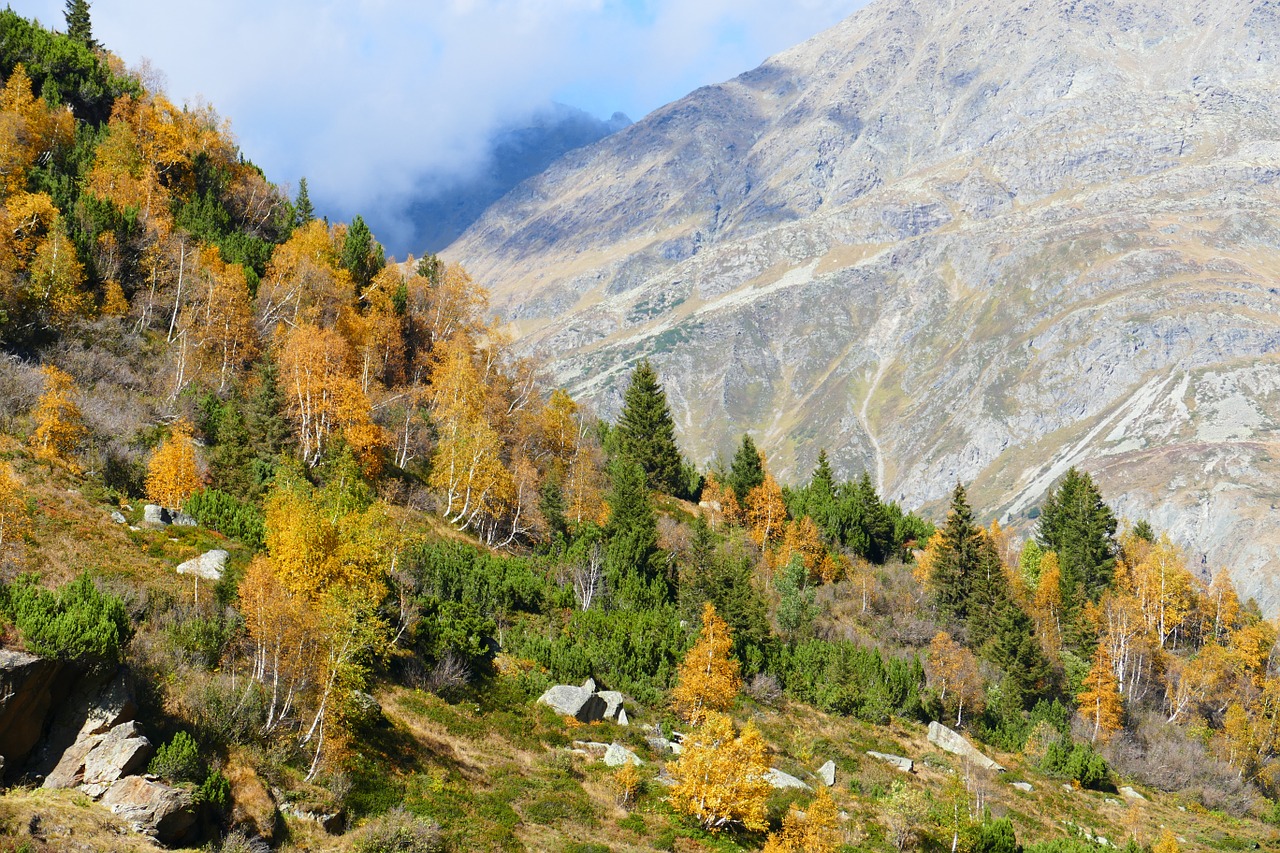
577,702
1023,786
617,755
622,717
612,703
593,748
589,685
780,780
1112,801
69,771
90,710
330,822
1130,794
827,773
121,752
906,765
152,808
659,744
118,517
208,565
29,687
181,519
154,516
665,779
956,744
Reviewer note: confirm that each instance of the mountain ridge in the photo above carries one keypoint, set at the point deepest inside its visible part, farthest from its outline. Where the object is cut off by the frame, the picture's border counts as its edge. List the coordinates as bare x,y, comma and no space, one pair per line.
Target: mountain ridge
945,252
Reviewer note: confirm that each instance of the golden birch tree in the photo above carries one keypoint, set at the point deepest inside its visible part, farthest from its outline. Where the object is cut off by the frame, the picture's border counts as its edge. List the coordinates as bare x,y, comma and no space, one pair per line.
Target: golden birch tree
720,776
1099,700
172,475
708,679
59,425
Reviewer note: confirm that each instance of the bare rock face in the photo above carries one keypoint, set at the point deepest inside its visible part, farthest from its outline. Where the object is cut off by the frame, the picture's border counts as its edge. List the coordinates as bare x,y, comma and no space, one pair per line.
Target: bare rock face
94,707
956,744
28,688
122,752
152,808
981,241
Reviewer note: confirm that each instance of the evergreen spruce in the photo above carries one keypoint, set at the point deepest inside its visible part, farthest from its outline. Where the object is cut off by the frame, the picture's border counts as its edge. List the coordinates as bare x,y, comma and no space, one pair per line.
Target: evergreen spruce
746,472
862,523
361,255
957,560
231,459
631,552
1076,524
265,421
988,594
304,212
722,574
1013,648
551,503
646,433
79,25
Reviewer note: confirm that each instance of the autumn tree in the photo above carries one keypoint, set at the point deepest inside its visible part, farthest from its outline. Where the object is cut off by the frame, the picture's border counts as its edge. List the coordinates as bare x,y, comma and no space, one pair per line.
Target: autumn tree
646,432
766,512
708,678
903,812
1165,589
1046,602
816,830
13,511
720,776
953,674
1099,699
59,426
172,476
802,538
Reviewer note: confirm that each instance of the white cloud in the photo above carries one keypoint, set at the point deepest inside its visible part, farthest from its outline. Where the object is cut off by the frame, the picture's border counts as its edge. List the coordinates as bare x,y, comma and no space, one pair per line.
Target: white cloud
366,97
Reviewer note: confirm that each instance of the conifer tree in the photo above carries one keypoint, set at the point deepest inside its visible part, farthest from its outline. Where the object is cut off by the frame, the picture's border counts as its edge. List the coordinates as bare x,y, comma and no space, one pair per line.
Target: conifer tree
1099,699
304,212
861,521
231,459
708,679
953,558
632,535
1014,648
746,472
1076,524
646,432
79,26
361,255
265,420
988,593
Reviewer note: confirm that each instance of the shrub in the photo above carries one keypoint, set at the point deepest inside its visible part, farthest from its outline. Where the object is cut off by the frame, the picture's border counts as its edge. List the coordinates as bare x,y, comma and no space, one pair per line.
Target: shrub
77,623
229,516
1078,762
400,832
215,792
179,760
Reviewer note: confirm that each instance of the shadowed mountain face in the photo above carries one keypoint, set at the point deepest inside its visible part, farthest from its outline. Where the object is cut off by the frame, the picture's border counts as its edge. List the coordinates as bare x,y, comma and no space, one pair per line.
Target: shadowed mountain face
518,152
979,240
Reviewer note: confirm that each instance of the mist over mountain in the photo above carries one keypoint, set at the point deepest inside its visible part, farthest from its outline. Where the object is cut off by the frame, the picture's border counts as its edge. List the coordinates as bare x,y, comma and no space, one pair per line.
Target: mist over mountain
947,241
448,204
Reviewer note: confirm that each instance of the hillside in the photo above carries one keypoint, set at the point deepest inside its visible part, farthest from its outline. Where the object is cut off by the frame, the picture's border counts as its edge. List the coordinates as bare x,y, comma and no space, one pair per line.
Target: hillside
976,241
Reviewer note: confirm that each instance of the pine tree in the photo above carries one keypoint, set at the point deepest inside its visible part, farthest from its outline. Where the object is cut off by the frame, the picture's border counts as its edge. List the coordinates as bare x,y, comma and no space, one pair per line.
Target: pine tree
631,571
746,472
954,561
231,459
988,593
646,432
862,523
724,576
361,254
708,678
1099,698
1014,648
304,212
79,26
266,423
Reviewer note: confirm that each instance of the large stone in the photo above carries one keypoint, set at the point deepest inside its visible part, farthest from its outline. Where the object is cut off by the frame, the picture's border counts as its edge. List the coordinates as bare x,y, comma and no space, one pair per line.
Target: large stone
1130,794
152,808
1024,786
208,565
122,752
577,702
154,516
956,744
117,516
906,765
617,755
778,779
69,771
827,773
93,708
612,703
181,519
29,686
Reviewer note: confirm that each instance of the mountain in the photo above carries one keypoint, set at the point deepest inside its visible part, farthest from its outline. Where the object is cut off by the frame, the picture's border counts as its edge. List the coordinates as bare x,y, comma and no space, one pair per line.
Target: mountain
947,241
517,151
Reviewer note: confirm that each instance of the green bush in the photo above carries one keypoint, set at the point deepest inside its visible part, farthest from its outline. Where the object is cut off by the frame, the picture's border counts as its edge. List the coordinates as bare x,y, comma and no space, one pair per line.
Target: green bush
77,623
202,638
179,760
228,515
1078,762
214,791
844,678
993,836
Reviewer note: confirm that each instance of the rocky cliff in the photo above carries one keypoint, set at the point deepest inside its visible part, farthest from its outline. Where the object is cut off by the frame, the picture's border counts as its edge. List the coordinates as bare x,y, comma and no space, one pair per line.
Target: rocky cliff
979,240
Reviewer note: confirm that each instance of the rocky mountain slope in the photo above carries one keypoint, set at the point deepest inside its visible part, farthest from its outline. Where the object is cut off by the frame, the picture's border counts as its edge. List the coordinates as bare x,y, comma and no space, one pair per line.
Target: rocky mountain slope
948,240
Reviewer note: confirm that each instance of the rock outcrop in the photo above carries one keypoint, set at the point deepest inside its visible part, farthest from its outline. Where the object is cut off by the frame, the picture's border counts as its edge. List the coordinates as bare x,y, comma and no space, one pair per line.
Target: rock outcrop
906,765
584,703
163,812
957,744
980,241
29,686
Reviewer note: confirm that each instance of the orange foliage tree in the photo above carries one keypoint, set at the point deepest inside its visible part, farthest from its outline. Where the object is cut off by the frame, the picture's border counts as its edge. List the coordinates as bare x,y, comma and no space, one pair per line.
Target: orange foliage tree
708,679
59,426
720,777
816,830
953,673
1099,698
172,476
13,512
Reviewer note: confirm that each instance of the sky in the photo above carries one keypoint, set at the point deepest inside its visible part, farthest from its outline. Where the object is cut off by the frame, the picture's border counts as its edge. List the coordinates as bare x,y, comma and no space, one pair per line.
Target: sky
372,99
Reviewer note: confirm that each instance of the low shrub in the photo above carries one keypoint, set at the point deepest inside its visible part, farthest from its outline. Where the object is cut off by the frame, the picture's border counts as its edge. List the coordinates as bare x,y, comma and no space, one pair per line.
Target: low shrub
77,623
179,760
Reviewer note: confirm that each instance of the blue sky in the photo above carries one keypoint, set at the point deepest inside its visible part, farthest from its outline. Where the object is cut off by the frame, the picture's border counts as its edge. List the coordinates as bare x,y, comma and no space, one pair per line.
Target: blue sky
370,98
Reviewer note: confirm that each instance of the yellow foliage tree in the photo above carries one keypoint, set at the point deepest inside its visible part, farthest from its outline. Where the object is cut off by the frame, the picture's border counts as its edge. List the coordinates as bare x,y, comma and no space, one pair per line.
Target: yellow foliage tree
720,777
708,678
817,830
1221,606
766,512
1165,589
29,130
802,537
1099,698
59,426
172,475
1251,646
1166,843
13,512
1046,604
952,671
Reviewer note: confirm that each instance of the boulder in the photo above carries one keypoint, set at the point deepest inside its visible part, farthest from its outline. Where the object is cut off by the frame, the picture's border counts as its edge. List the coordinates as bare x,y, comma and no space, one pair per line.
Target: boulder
208,565
93,708
330,822
906,765
1130,794
577,702
589,685
69,771
592,748
181,519
1023,786
117,516
612,703
29,686
122,752
622,717
152,808
956,744
659,744
253,809
154,516
827,773
778,779
617,755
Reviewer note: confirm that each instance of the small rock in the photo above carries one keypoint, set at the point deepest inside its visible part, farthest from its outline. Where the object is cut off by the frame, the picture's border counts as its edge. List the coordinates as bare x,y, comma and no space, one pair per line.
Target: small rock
208,565
622,717
1023,786
906,765
1130,794
181,519
1070,789
665,779
330,822
617,755
1112,801
612,702
118,517
827,773
778,779
659,744
590,747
